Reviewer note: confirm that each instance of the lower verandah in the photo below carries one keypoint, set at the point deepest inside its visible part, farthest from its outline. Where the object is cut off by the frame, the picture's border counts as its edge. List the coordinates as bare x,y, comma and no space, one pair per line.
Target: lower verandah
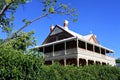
75,52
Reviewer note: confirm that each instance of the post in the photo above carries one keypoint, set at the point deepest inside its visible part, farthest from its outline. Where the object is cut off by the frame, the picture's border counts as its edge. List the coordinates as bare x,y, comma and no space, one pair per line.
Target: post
77,46
52,61
87,62
86,45
100,51
105,51
94,62
64,61
78,62
65,47
43,52
53,50
43,49
93,48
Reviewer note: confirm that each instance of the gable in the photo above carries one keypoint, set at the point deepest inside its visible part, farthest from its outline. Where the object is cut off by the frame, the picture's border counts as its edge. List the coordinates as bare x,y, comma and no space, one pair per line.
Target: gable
58,33
93,39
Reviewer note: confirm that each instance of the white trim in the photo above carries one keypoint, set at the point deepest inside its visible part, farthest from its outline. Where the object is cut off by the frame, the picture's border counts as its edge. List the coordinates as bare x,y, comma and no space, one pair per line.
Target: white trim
55,42
95,44
67,39
82,38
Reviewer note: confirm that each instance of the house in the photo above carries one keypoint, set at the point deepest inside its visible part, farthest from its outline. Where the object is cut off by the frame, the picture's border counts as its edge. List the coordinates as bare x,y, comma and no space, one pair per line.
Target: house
68,47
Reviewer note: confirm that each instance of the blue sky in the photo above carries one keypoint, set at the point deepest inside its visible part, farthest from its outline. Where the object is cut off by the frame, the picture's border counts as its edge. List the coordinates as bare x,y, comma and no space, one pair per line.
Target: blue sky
102,17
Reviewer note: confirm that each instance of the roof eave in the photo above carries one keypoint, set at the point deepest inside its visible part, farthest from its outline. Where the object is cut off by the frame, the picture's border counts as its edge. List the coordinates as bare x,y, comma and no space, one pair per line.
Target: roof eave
55,42
112,51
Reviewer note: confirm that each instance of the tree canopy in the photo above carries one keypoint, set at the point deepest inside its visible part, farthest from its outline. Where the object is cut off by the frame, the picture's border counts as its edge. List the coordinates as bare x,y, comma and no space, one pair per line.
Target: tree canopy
50,7
16,62
8,7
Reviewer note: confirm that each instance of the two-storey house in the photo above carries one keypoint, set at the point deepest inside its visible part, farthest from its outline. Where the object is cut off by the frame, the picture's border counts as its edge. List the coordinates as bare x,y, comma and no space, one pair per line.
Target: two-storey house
68,47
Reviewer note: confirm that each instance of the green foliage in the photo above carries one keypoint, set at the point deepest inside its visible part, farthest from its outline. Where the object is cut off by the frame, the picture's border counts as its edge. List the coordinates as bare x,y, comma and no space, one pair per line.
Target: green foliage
99,72
8,1
23,41
1,41
64,6
91,72
18,64
14,65
118,60
8,7
49,7
51,10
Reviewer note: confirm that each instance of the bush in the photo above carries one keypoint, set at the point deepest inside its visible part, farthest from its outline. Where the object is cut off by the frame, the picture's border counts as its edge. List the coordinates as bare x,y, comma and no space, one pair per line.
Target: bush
14,65
70,72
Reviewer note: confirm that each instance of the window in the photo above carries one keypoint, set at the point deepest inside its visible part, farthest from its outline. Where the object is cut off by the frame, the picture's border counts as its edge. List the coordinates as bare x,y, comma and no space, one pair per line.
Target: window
102,51
48,49
71,44
81,44
89,47
97,49
59,46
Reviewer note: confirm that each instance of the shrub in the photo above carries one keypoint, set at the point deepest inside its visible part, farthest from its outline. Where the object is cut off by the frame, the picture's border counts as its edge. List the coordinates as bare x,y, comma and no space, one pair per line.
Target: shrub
14,65
70,72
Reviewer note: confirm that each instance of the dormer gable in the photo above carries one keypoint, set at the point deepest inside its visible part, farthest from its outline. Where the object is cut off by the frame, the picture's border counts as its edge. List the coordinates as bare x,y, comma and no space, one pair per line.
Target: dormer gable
92,38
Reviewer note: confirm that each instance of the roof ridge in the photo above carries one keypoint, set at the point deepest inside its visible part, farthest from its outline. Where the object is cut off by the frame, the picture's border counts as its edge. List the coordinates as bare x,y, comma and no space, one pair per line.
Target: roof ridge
71,32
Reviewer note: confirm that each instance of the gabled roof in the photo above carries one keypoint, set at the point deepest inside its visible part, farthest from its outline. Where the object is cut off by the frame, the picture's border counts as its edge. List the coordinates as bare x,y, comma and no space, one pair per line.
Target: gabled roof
58,29
70,32
89,37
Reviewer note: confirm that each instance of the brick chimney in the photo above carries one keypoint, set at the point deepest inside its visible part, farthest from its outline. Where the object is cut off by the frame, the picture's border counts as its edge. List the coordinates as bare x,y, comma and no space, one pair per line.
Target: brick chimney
51,28
66,24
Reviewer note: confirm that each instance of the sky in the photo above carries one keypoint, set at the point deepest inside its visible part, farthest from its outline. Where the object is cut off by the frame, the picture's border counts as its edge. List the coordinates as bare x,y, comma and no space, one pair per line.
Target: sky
101,17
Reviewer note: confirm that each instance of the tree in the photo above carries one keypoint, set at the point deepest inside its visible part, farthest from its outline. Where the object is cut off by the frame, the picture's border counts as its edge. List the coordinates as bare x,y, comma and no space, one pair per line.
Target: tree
50,7
1,41
8,6
23,41
14,64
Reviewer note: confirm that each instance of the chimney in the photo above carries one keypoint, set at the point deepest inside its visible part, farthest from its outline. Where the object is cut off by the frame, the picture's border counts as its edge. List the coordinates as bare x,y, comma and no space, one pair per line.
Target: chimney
66,24
51,28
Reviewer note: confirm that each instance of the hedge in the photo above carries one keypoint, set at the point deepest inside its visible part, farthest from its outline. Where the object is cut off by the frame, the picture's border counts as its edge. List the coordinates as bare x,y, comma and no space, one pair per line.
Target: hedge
14,65
70,72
